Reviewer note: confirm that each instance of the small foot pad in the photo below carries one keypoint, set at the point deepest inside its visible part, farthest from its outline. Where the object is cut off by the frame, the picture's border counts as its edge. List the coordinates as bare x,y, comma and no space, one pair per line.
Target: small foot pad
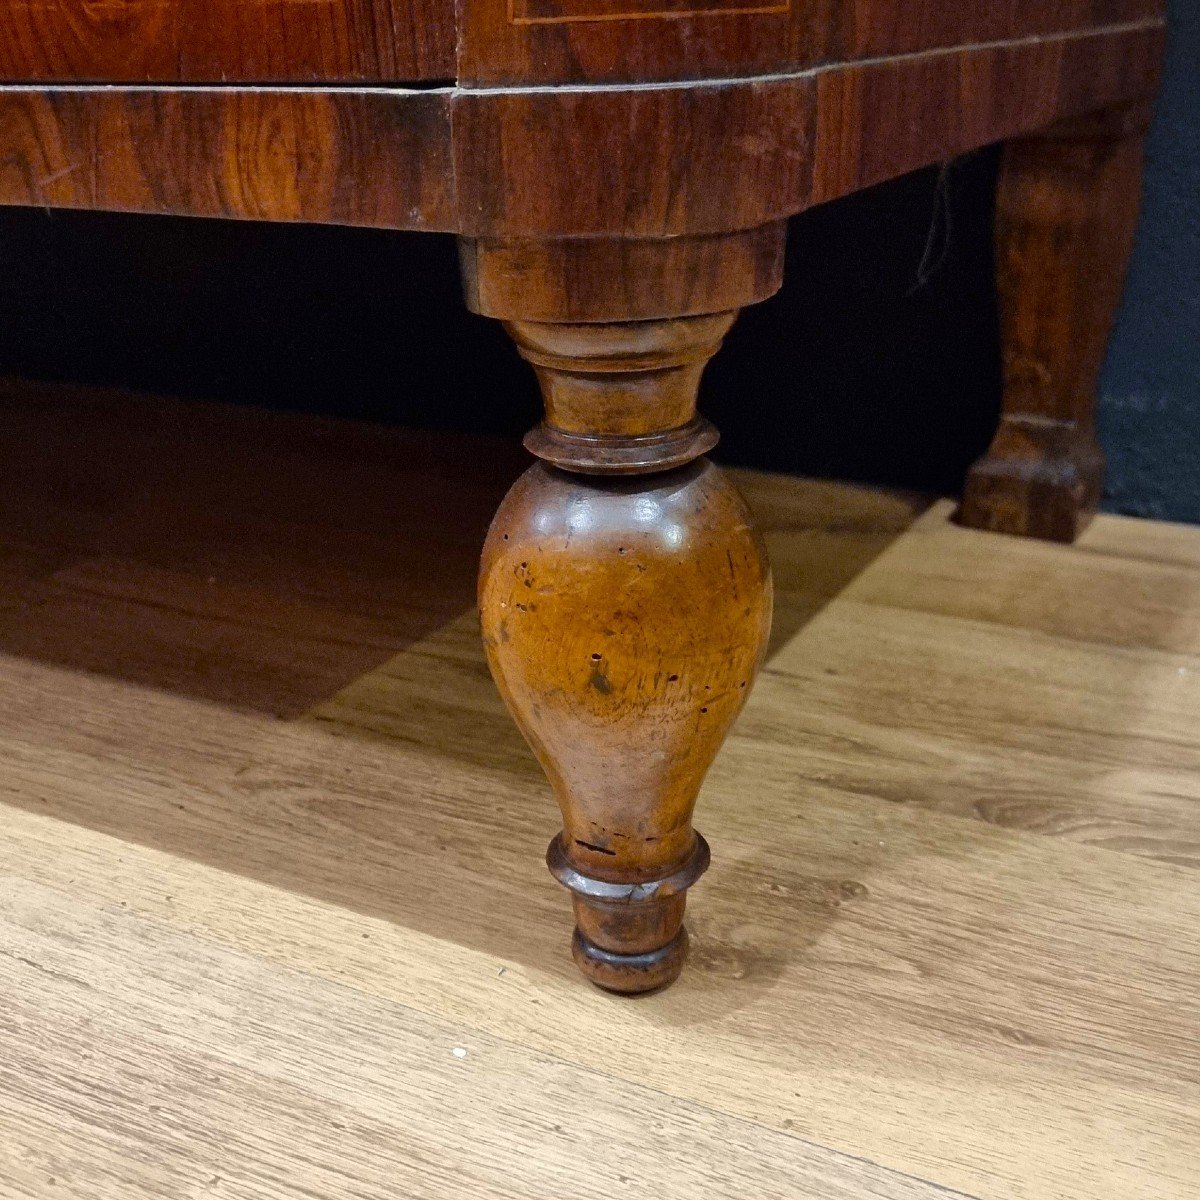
631,973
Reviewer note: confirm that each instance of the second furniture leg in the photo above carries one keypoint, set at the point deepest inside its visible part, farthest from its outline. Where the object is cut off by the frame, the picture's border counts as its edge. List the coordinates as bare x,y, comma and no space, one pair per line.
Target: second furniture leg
1066,209
624,594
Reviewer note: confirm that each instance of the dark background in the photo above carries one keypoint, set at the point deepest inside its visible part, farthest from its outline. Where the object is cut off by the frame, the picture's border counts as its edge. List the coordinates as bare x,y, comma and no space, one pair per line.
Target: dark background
878,361
1150,396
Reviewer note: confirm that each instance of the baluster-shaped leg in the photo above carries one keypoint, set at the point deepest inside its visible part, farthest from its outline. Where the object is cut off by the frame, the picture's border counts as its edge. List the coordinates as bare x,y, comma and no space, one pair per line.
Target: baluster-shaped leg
1066,209
624,593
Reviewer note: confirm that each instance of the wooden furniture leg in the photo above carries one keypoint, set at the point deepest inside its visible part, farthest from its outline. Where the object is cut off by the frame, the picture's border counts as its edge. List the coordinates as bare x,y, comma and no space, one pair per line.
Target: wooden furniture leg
1066,210
625,595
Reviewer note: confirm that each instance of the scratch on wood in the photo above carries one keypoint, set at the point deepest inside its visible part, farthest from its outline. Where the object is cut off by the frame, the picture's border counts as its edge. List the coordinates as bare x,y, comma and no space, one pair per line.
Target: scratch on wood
43,183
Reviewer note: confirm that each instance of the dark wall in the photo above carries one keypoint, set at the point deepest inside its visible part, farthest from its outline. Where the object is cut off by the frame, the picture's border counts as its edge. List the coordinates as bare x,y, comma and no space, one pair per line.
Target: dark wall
1150,396
878,360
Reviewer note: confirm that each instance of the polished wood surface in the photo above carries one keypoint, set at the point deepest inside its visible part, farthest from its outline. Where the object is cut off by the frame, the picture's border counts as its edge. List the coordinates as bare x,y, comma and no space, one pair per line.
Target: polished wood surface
1066,212
624,594
500,41
712,157
252,756
343,156
698,158
876,121
219,41
625,621
627,279
586,41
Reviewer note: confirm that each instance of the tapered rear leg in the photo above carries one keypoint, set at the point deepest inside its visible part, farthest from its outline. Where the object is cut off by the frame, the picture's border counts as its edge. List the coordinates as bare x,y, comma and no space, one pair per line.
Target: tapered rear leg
1066,210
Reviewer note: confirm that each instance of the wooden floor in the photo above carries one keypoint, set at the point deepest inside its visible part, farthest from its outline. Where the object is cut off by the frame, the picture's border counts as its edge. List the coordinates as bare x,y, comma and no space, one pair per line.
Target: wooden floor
250,757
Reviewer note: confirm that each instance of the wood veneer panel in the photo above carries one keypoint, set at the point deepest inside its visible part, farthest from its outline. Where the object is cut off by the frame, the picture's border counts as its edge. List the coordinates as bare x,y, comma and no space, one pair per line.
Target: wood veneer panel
352,157
877,28
879,120
174,41
554,41
726,155
645,161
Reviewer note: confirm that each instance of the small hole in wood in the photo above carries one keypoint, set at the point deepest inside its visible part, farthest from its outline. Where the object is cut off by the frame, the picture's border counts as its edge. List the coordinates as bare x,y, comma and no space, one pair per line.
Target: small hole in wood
704,710
596,657
672,678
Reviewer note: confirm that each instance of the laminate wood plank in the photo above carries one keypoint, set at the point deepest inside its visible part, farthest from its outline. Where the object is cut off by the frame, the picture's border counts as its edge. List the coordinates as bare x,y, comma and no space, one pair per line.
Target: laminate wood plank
1112,589
122,1078
335,155
339,611
1140,540
1107,760
1002,1011
267,518
864,931
219,41
1051,759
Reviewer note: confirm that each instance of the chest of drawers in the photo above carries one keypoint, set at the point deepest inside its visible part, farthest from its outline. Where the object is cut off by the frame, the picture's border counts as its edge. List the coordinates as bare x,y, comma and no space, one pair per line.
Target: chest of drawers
619,174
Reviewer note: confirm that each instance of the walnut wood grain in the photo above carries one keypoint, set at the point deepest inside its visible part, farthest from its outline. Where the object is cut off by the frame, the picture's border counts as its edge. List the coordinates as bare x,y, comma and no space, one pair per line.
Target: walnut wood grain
937,106
1066,211
342,156
625,620
620,398
502,41
216,41
589,279
536,163
624,593
707,158
573,41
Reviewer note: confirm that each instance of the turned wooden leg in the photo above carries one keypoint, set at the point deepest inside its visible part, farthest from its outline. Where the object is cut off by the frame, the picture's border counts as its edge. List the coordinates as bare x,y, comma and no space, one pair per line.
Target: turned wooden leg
1066,209
624,594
